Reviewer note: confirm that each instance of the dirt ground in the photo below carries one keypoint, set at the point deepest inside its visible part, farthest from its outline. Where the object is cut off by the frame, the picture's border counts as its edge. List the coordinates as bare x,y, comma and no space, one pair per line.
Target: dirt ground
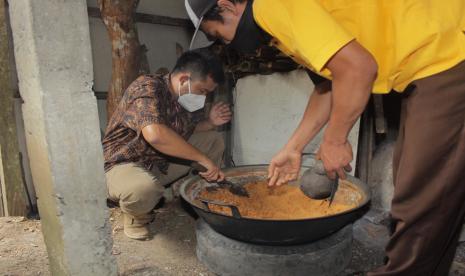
170,252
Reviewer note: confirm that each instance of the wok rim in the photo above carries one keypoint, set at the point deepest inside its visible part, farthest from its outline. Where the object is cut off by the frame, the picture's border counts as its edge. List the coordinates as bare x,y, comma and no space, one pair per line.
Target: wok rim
355,181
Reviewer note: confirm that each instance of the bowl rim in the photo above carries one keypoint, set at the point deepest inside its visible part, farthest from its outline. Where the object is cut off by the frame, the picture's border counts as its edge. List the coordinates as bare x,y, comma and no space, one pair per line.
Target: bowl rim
366,197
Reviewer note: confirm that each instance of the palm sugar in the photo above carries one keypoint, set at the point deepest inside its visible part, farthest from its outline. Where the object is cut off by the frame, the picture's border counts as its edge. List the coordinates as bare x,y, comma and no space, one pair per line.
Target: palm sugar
285,202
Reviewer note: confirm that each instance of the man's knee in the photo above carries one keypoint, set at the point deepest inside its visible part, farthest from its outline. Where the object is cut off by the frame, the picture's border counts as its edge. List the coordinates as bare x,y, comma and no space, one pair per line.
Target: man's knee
208,141
141,196
217,141
216,146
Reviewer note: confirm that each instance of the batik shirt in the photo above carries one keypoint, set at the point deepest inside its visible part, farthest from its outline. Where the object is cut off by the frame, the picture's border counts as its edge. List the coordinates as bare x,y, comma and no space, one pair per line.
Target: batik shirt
146,101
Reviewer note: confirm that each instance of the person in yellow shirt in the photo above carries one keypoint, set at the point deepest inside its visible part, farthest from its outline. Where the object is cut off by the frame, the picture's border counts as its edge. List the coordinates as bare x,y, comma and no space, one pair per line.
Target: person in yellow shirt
359,47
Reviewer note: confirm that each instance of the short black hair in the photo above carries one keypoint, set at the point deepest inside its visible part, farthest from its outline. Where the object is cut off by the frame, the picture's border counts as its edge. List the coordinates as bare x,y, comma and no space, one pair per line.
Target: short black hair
214,13
200,63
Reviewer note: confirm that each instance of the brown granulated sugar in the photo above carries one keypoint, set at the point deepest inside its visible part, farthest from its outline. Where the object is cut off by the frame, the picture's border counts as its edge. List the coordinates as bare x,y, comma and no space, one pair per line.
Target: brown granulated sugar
284,202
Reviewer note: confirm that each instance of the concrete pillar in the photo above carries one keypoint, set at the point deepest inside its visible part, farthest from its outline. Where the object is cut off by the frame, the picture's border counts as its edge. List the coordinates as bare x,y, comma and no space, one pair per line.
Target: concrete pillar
54,65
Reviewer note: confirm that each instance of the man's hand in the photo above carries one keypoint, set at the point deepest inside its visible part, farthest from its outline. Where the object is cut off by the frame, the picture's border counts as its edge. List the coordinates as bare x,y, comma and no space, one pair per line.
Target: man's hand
284,167
167,141
213,172
220,114
336,158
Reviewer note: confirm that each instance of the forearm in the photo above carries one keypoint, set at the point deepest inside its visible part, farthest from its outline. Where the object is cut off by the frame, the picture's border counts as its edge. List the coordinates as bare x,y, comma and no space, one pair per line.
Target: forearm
167,141
354,71
315,117
351,92
204,126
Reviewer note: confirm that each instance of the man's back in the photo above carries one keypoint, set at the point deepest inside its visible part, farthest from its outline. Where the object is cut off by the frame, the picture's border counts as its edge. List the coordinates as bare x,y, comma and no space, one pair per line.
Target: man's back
410,39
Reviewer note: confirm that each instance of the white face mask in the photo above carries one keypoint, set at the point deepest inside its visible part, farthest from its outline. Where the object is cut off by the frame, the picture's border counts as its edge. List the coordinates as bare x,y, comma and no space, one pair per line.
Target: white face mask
191,102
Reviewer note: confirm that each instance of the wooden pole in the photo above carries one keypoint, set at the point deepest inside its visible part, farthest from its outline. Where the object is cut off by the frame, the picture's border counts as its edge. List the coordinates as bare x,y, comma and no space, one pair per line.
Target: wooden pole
151,19
14,188
128,55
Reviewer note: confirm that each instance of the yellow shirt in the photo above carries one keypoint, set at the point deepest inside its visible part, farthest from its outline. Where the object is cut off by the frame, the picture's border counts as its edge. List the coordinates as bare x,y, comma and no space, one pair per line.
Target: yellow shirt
410,39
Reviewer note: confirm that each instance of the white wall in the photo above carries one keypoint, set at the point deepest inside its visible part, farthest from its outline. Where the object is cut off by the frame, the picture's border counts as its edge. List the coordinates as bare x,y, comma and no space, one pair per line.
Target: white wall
267,110
160,41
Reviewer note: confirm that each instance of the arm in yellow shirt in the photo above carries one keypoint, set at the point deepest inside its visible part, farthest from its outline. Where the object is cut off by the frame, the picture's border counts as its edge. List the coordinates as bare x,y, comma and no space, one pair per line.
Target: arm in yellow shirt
354,72
306,31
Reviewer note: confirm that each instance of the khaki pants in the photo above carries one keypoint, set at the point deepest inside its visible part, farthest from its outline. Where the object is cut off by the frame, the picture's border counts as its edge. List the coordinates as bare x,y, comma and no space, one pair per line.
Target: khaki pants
138,190
428,208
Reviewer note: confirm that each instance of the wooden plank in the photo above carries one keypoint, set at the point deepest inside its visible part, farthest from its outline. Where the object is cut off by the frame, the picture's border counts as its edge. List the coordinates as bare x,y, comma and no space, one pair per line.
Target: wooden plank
366,144
380,119
225,95
14,192
462,234
150,19
101,95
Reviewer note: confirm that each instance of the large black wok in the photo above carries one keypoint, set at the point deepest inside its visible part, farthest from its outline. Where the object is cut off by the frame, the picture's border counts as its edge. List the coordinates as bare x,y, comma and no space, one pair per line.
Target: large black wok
265,231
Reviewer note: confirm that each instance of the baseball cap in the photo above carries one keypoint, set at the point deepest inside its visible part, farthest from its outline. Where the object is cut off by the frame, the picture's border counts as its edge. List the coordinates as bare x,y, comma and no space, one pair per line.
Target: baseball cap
196,9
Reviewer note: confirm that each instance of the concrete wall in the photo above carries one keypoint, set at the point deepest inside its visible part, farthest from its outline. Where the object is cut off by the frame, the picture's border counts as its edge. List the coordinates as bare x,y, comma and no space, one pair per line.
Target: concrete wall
160,41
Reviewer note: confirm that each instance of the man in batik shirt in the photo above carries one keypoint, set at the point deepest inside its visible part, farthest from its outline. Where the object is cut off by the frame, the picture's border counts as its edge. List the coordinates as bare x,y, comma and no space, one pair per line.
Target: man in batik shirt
158,128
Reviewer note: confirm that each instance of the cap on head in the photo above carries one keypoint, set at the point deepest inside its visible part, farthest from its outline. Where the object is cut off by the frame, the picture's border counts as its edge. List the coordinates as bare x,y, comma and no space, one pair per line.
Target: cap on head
196,9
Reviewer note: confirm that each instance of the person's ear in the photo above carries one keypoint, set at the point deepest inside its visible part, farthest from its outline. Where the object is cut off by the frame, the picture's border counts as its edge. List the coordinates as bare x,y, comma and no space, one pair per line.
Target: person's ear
227,5
184,78
210,91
